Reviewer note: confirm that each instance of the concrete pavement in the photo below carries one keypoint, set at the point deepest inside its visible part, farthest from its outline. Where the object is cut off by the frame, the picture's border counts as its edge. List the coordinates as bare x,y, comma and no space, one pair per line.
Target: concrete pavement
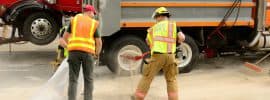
27,68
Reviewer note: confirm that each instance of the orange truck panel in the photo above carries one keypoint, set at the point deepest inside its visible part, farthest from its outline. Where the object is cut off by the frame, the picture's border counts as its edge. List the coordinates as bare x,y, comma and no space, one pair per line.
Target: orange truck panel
188,24
267,20
194,23
183,4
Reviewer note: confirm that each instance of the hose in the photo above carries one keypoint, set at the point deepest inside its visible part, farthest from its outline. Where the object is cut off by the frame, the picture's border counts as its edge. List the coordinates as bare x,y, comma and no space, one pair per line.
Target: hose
236,4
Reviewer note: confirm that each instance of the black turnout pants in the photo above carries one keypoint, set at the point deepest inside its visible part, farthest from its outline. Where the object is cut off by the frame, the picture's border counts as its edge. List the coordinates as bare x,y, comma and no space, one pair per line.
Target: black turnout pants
75,60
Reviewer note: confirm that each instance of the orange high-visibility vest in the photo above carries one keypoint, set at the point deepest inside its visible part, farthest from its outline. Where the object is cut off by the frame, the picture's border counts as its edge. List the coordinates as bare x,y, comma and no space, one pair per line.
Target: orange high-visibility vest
162,37
82,34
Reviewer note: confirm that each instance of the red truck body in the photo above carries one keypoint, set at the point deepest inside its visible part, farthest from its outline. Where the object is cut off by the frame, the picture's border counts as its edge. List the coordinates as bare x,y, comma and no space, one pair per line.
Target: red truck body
61,5
8,3
67,5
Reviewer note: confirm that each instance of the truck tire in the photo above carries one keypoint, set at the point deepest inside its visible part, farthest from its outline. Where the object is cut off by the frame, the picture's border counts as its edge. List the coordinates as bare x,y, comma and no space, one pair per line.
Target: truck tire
128,46
40,28
187,53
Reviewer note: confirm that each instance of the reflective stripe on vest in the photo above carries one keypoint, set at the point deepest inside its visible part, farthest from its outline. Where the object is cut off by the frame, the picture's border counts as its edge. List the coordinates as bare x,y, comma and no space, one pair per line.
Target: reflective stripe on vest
65,53
170,36
163,37
82,38
150,37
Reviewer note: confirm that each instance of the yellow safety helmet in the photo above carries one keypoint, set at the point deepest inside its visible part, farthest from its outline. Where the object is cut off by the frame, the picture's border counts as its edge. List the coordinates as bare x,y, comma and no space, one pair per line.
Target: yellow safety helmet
161,11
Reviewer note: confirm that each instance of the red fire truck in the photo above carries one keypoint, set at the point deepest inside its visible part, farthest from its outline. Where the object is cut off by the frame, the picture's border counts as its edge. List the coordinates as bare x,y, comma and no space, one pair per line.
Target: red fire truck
210,25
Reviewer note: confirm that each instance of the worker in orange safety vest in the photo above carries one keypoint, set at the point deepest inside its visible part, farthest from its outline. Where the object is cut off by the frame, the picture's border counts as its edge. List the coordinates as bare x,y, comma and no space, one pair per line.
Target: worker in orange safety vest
83,43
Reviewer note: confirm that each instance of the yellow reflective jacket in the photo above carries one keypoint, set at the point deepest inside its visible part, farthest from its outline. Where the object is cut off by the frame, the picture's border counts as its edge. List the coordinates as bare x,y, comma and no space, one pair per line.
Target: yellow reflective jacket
162,37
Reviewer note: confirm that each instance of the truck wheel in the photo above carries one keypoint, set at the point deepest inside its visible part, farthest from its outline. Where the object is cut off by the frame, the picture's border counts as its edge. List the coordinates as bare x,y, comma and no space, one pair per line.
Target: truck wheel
123,47
40,28
188,54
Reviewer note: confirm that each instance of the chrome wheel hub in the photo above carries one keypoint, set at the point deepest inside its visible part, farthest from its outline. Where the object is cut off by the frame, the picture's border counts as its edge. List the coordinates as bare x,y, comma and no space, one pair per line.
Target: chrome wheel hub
127,63
41,28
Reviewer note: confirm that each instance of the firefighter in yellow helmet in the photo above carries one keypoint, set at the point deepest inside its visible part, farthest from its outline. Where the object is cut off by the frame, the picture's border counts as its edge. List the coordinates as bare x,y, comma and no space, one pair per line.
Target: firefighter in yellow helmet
162,39
62,52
